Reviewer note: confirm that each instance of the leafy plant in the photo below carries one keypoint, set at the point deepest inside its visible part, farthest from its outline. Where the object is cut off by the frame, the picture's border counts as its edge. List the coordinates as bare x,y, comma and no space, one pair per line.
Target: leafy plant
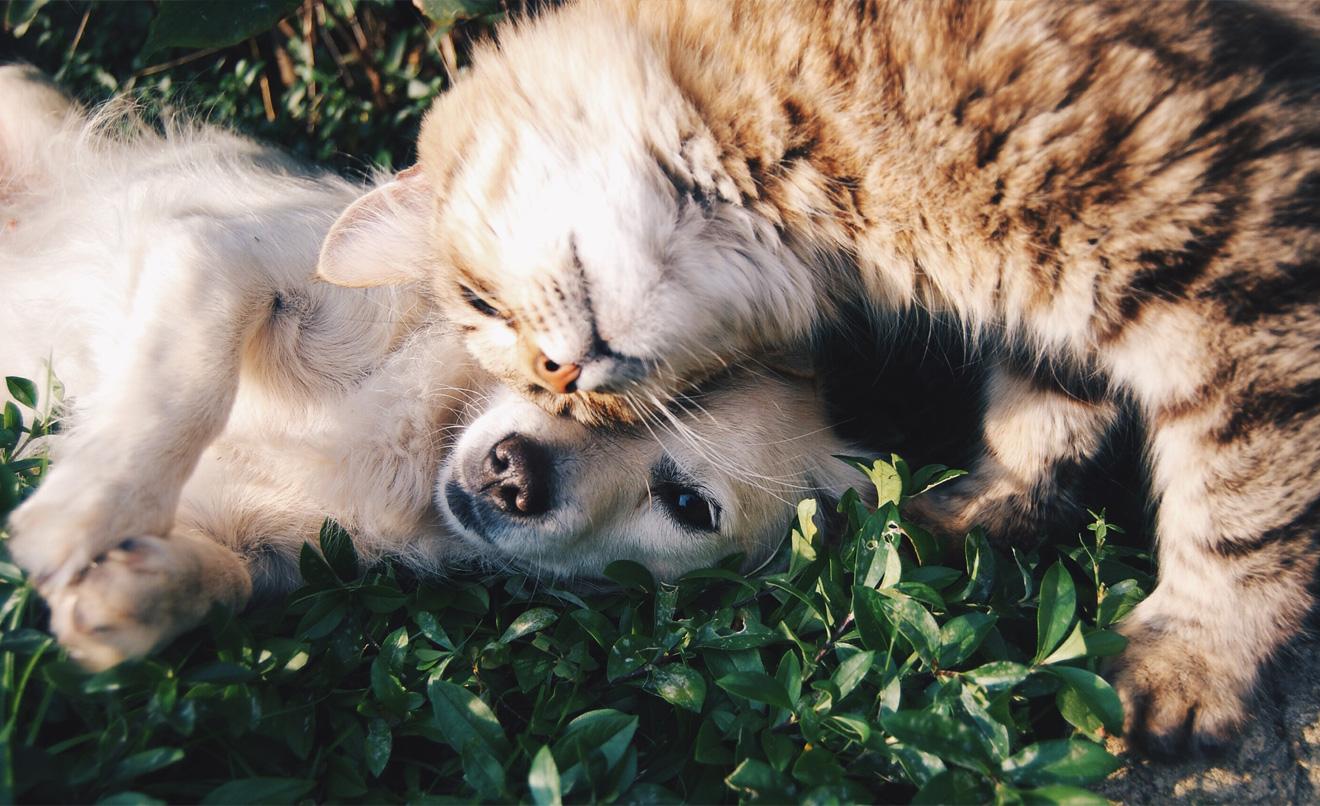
867,667
343,82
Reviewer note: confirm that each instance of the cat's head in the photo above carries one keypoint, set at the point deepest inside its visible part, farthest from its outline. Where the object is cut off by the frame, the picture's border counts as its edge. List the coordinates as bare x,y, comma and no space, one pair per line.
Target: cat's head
575,218
696,484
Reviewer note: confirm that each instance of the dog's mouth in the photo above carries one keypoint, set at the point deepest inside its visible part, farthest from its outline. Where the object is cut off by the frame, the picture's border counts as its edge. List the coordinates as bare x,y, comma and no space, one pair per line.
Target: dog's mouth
463,510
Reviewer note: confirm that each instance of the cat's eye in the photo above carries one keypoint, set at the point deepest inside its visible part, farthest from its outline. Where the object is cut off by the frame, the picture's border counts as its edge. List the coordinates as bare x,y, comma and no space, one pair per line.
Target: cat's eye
481,306
688,506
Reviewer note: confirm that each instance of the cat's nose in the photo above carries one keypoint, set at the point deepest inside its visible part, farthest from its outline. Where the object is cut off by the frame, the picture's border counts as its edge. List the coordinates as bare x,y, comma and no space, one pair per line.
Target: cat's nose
515,476
558,378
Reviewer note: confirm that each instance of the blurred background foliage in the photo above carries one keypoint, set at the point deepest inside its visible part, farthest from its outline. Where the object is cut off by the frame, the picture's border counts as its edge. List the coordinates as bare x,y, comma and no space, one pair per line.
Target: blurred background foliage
340,82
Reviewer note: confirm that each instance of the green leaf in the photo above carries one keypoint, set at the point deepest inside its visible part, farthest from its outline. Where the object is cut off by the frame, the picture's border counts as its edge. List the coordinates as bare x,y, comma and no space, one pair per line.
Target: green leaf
630,653
534,620
872,623
678,685
147,761
212,23
1060,761
852,671
980,562
804,537
924,544
482,771
604,731
1104,643
817,766
720,574
1072,648
377,747
756,686
998,675
337,548
462,717
955,787
915,624
431,628
760,781
630,575
1098,696
960,637
448,13
886,478
19,14
1062,796
932,476
974,703
22,390
259,790
943,736
1119,600
1058,606
543,779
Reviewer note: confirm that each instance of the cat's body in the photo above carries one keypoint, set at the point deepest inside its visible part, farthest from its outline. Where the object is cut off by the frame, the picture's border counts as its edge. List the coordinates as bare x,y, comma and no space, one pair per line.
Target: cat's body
1120,194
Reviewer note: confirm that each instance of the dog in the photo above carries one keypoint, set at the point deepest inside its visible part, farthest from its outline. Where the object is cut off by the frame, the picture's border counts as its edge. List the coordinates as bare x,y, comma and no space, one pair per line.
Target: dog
222,403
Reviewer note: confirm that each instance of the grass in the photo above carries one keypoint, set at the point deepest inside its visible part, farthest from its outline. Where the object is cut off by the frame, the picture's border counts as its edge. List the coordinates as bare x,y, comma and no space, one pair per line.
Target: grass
865,665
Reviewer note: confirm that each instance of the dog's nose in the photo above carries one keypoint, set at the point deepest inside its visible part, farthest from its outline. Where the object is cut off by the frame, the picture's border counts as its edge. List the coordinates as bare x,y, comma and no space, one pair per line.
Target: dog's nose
515,477
558,378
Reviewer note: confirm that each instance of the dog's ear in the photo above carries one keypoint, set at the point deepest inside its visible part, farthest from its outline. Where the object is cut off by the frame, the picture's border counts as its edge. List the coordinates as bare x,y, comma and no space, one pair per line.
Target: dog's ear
381,239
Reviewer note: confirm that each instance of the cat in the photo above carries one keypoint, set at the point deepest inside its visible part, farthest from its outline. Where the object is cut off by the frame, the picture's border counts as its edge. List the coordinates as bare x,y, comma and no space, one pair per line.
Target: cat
222,403
1116,201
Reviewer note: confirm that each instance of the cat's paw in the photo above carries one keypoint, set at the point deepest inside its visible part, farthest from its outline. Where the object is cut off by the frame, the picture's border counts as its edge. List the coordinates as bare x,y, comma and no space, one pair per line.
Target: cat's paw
1178,698
957,510
129,601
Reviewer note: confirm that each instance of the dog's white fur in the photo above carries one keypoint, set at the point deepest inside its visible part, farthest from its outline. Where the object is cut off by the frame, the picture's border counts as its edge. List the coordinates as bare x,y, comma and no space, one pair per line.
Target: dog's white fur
223,402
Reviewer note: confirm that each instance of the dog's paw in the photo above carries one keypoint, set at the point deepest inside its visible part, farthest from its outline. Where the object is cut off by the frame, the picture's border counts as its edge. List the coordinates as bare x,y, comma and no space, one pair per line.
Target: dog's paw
129,601
1178,698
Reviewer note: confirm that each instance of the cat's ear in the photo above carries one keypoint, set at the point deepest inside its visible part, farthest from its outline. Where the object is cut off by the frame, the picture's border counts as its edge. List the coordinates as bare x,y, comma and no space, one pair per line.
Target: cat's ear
381,239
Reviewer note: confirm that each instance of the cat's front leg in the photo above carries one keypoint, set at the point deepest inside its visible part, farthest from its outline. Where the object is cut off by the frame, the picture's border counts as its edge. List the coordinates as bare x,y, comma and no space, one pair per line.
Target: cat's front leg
168,384
1035,434
143,592
1237,524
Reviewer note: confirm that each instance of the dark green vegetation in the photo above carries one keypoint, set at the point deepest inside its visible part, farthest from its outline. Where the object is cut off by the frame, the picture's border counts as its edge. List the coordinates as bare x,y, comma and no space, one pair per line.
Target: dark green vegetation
337,81
864,665
868,667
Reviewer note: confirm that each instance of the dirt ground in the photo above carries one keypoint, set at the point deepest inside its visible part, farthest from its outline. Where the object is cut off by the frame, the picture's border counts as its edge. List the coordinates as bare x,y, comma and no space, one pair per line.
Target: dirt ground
1277,758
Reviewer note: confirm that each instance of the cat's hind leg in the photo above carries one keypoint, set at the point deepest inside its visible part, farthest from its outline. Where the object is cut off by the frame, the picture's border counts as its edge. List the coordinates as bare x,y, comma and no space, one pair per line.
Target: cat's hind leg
1037,435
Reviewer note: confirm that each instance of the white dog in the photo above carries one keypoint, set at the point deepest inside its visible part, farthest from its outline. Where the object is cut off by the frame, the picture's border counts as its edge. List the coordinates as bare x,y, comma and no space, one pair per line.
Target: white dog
223,402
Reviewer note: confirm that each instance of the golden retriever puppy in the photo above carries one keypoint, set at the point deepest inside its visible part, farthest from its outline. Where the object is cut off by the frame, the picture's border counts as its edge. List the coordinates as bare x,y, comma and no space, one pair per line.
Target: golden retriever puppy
222,403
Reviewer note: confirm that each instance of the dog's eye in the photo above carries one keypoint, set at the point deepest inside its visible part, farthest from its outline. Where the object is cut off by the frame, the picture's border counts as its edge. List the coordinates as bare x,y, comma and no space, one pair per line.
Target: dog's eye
688,506
478,304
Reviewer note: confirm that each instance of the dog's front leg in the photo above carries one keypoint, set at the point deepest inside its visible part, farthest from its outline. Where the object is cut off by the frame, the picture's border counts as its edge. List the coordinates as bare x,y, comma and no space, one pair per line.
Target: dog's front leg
169,378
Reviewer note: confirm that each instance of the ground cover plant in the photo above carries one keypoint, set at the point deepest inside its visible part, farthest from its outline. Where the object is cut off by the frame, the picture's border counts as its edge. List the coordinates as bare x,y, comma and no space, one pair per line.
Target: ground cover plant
866,663
870,666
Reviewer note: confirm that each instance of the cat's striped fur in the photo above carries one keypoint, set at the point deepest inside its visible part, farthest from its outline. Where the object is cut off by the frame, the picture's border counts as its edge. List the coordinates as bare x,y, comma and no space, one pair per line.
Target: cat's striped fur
1126,193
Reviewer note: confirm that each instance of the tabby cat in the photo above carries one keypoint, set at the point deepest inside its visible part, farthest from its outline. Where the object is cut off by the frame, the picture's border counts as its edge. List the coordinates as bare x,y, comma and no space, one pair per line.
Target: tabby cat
1119,198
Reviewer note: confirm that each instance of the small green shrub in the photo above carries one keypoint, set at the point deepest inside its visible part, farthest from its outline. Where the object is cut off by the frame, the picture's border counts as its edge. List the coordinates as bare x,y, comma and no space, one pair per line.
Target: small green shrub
867,667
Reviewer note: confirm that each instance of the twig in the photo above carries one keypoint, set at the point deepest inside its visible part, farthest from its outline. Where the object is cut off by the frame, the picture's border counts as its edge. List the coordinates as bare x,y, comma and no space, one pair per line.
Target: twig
77,37
264,83
834,639
163,66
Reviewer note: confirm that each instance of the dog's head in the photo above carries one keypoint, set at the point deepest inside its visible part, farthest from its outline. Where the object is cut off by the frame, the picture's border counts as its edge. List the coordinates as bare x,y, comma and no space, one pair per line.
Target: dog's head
677,492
